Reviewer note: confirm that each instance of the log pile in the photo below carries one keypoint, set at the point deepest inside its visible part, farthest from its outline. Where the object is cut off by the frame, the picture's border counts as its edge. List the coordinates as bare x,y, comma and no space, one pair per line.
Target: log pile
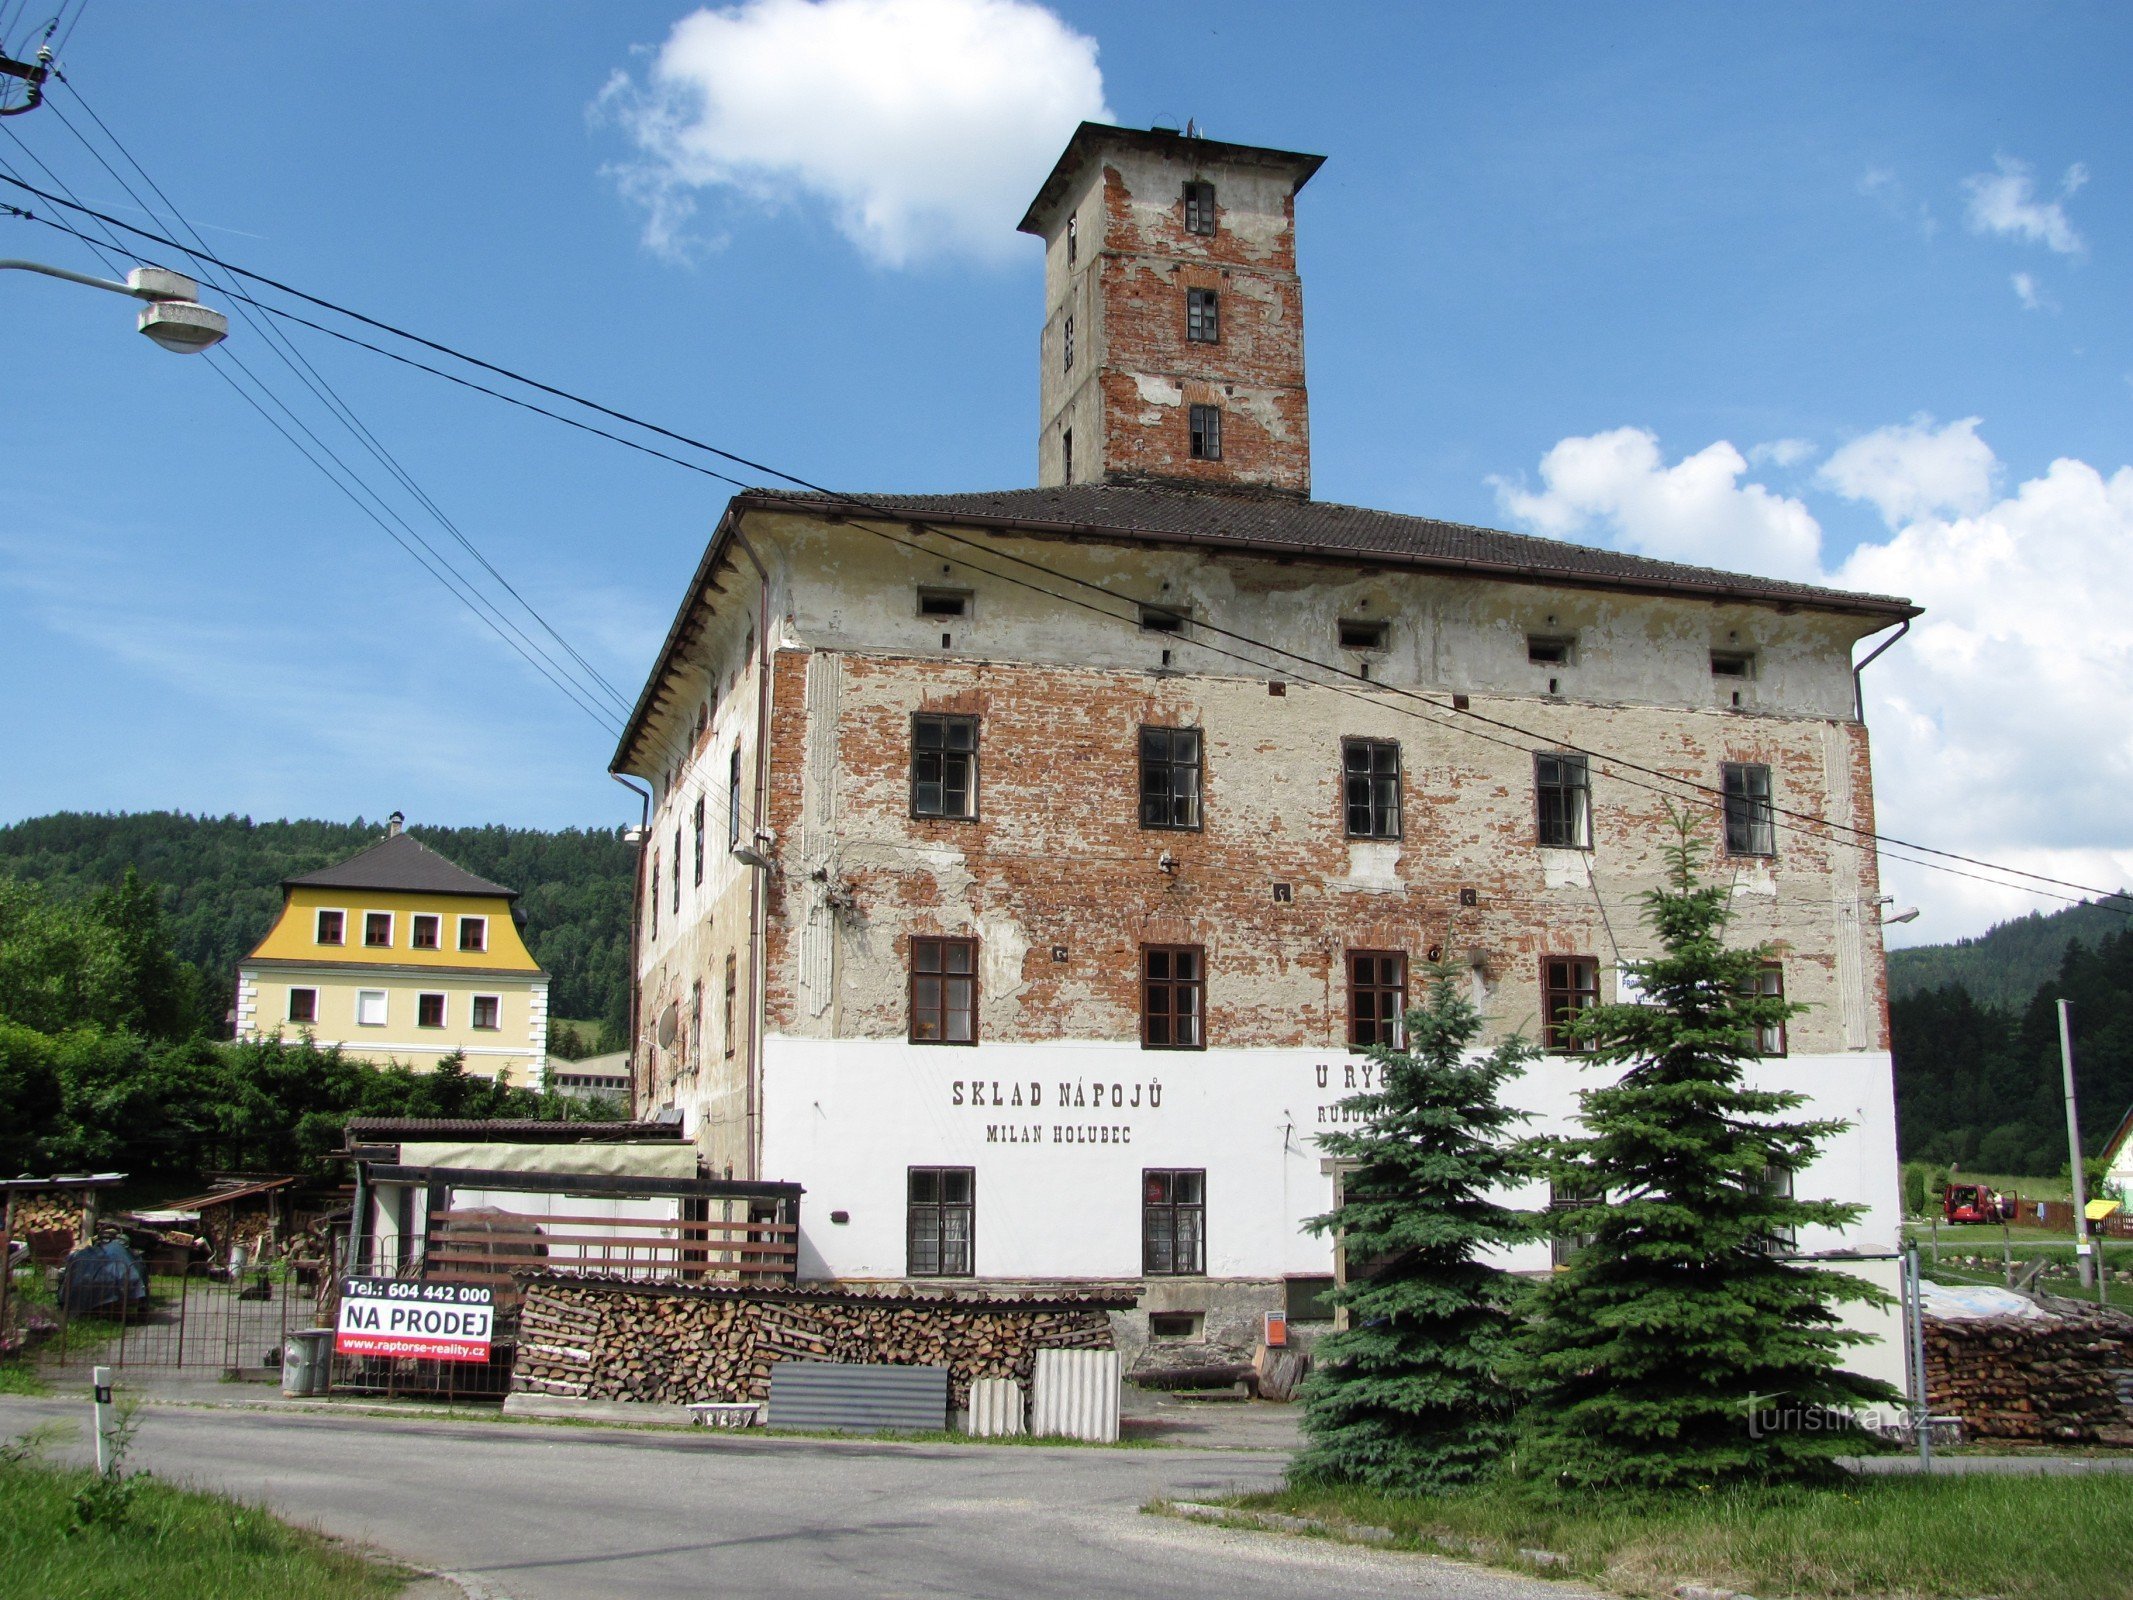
2062,1379
49,1213
673,1346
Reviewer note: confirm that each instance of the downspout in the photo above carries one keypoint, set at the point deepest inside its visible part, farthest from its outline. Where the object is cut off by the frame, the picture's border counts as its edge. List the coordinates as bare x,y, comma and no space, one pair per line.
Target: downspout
644,828
758,956
1858,687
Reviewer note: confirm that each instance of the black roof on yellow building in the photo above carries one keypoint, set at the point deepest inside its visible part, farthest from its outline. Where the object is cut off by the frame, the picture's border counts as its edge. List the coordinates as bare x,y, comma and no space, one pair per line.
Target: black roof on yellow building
400,862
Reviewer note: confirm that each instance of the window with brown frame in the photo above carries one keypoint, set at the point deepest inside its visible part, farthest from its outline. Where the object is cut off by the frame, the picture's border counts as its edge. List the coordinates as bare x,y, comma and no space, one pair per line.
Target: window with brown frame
332,927
944,766
1377,998
1370,773
940,1222
1173,1223
474,933
429,1010
944,991
1173,997
1569,984
378,929
303,1005
1769,984
1170,778
424,931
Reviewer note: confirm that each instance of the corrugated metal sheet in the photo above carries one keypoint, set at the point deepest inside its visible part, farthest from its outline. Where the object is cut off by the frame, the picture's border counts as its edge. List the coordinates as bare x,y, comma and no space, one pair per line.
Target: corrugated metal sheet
1076,1395
856,1397
997,1408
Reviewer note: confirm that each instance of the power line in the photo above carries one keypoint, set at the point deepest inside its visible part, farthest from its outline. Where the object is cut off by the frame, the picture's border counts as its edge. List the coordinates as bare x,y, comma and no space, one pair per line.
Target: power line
890,512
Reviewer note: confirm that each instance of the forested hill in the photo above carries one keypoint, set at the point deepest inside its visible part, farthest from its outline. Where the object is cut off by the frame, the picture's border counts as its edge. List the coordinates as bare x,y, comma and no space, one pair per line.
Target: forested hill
222,880
2004,965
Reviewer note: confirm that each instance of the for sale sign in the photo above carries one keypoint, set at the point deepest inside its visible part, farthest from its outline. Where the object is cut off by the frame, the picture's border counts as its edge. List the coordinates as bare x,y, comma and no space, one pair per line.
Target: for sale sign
436,1321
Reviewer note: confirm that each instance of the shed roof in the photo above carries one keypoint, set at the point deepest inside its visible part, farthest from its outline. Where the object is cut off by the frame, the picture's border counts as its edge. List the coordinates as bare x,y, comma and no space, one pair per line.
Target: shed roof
513,1130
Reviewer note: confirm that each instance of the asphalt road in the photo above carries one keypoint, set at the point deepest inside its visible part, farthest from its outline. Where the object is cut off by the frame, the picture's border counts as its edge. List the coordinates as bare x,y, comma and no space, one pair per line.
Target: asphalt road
567,1513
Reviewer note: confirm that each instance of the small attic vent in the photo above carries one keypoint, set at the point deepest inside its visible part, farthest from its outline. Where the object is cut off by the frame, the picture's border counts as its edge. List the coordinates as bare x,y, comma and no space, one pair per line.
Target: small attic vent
1358,634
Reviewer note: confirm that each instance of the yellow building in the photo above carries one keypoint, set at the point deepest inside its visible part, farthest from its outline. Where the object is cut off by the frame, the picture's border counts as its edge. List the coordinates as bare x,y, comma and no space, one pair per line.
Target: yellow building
398,955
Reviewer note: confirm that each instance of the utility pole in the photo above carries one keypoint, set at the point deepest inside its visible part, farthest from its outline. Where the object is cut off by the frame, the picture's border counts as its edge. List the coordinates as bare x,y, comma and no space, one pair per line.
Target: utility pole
32,73
2084,1262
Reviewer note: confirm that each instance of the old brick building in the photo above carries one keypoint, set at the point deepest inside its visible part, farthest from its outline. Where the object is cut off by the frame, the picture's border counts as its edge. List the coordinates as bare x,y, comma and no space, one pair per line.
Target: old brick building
1025,866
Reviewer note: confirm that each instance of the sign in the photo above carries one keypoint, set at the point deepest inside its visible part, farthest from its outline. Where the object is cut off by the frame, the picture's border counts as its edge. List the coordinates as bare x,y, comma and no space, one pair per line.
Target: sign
434,1321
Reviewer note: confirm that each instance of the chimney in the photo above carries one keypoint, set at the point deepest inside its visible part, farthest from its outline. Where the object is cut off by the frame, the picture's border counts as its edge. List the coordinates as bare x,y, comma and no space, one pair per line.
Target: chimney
393,824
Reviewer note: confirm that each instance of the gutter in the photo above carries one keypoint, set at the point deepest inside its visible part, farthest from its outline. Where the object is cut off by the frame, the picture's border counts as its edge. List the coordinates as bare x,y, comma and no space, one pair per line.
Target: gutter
644,827
758,956
1858,672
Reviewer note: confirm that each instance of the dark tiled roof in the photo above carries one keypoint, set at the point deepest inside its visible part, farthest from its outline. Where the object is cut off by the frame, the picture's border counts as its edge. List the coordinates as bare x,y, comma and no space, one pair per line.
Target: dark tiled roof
1092,138
400,861
518,1130
1278,525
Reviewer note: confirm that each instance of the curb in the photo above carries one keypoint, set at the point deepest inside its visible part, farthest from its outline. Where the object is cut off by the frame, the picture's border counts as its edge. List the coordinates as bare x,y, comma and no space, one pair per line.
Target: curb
1368,1533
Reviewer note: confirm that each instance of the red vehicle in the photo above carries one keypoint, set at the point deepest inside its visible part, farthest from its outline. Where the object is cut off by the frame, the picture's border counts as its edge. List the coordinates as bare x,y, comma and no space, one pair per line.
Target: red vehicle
1969,1202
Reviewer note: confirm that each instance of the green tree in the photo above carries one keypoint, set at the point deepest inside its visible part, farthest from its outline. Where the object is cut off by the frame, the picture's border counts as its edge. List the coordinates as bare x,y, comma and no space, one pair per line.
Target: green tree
1657,1357
1408,1398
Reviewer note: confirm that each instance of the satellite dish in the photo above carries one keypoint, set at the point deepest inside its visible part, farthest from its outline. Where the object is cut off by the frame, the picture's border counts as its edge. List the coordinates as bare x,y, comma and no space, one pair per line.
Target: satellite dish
669,1025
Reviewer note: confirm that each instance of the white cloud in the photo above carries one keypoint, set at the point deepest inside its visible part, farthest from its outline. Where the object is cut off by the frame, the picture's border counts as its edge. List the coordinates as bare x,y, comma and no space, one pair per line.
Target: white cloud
1697,510
2004,202
2001,726
1885,189
1914,470
1780,452
923,126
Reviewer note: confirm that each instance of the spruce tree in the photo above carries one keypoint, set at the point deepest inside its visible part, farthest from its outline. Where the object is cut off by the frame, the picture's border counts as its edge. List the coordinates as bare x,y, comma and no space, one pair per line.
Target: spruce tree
1407,1397
1676,1349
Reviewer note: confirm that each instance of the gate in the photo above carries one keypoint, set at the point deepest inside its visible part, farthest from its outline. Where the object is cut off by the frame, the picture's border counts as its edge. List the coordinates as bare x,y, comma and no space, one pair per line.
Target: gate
190,1320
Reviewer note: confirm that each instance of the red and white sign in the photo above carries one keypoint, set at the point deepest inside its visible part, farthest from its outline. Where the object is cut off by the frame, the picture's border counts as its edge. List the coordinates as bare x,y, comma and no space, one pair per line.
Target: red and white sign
433,1321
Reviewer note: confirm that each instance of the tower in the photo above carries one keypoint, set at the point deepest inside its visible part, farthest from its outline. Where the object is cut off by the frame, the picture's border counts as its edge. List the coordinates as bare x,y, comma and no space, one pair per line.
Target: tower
1172,350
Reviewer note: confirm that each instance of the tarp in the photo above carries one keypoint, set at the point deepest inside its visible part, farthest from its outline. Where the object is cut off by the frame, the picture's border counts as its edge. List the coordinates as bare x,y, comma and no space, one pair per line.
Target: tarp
102,1278
1963,1302
670,1158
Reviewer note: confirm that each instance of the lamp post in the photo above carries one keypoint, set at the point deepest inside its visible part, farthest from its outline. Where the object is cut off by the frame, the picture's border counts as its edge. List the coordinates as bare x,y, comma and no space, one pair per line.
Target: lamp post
173,317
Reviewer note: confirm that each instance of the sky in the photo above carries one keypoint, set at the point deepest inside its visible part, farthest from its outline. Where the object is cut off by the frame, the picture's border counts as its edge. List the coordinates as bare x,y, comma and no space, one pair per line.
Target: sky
1808,290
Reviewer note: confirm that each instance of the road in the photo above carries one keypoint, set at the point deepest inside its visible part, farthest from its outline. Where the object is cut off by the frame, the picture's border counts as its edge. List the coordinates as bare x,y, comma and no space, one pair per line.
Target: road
572,1513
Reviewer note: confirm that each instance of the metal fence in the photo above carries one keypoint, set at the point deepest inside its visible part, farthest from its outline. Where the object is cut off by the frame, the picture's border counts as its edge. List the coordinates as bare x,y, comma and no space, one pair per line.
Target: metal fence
190,1319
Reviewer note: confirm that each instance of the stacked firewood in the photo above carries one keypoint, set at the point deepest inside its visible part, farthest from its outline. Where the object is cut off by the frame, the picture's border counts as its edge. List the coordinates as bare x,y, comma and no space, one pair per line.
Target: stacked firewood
2066,1378
47,1213
620,1342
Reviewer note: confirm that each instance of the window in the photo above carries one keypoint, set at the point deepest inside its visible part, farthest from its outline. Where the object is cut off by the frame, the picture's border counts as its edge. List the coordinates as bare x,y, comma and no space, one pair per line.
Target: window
370,1008
429,1010
1199,208
474,933
1775,1183
332,927
1170,777
1162,619
1568,985
944,766
1370,770
1751,822
731,991
378,930
1570,1196
1309,1298
1551,650
939,1222
1173,1223
944,991
733,799
1203,316
944,602
1067,339
1377,998
1769,984
1359,634
699,851
1206,422
696,1021
1066,455
677,869
1073,239
1732,664
487,1012
303,1005
654,898
424,931
1562,797
1173,995
1176,1324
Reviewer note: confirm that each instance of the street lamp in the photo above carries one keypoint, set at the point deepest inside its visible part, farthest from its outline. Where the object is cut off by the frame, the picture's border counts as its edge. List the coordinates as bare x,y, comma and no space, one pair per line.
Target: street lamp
173,317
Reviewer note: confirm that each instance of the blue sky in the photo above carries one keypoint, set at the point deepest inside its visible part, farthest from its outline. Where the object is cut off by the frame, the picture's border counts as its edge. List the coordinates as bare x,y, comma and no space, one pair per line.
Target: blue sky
1719,283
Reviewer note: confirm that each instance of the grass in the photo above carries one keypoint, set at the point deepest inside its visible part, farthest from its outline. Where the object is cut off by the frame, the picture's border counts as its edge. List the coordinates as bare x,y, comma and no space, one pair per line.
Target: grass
175,1544
2019,1538
19,1376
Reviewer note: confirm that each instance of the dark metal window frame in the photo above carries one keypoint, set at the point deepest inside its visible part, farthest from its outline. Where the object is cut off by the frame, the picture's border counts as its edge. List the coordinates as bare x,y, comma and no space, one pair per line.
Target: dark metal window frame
1203,316
1374,977
699,846
1751,817
1066,339
1380,821
1562,800
1169,986
1204,424
940,755
1569,984
1160,800
937,1013
1199,201
927,1219
1169,1250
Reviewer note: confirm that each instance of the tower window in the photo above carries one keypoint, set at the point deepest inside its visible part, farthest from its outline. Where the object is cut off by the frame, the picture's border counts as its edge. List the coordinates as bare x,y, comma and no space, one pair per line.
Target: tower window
1359,634
943,602
1206,424
1066,455
1200,208
1067,330
1203,316
1073,239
